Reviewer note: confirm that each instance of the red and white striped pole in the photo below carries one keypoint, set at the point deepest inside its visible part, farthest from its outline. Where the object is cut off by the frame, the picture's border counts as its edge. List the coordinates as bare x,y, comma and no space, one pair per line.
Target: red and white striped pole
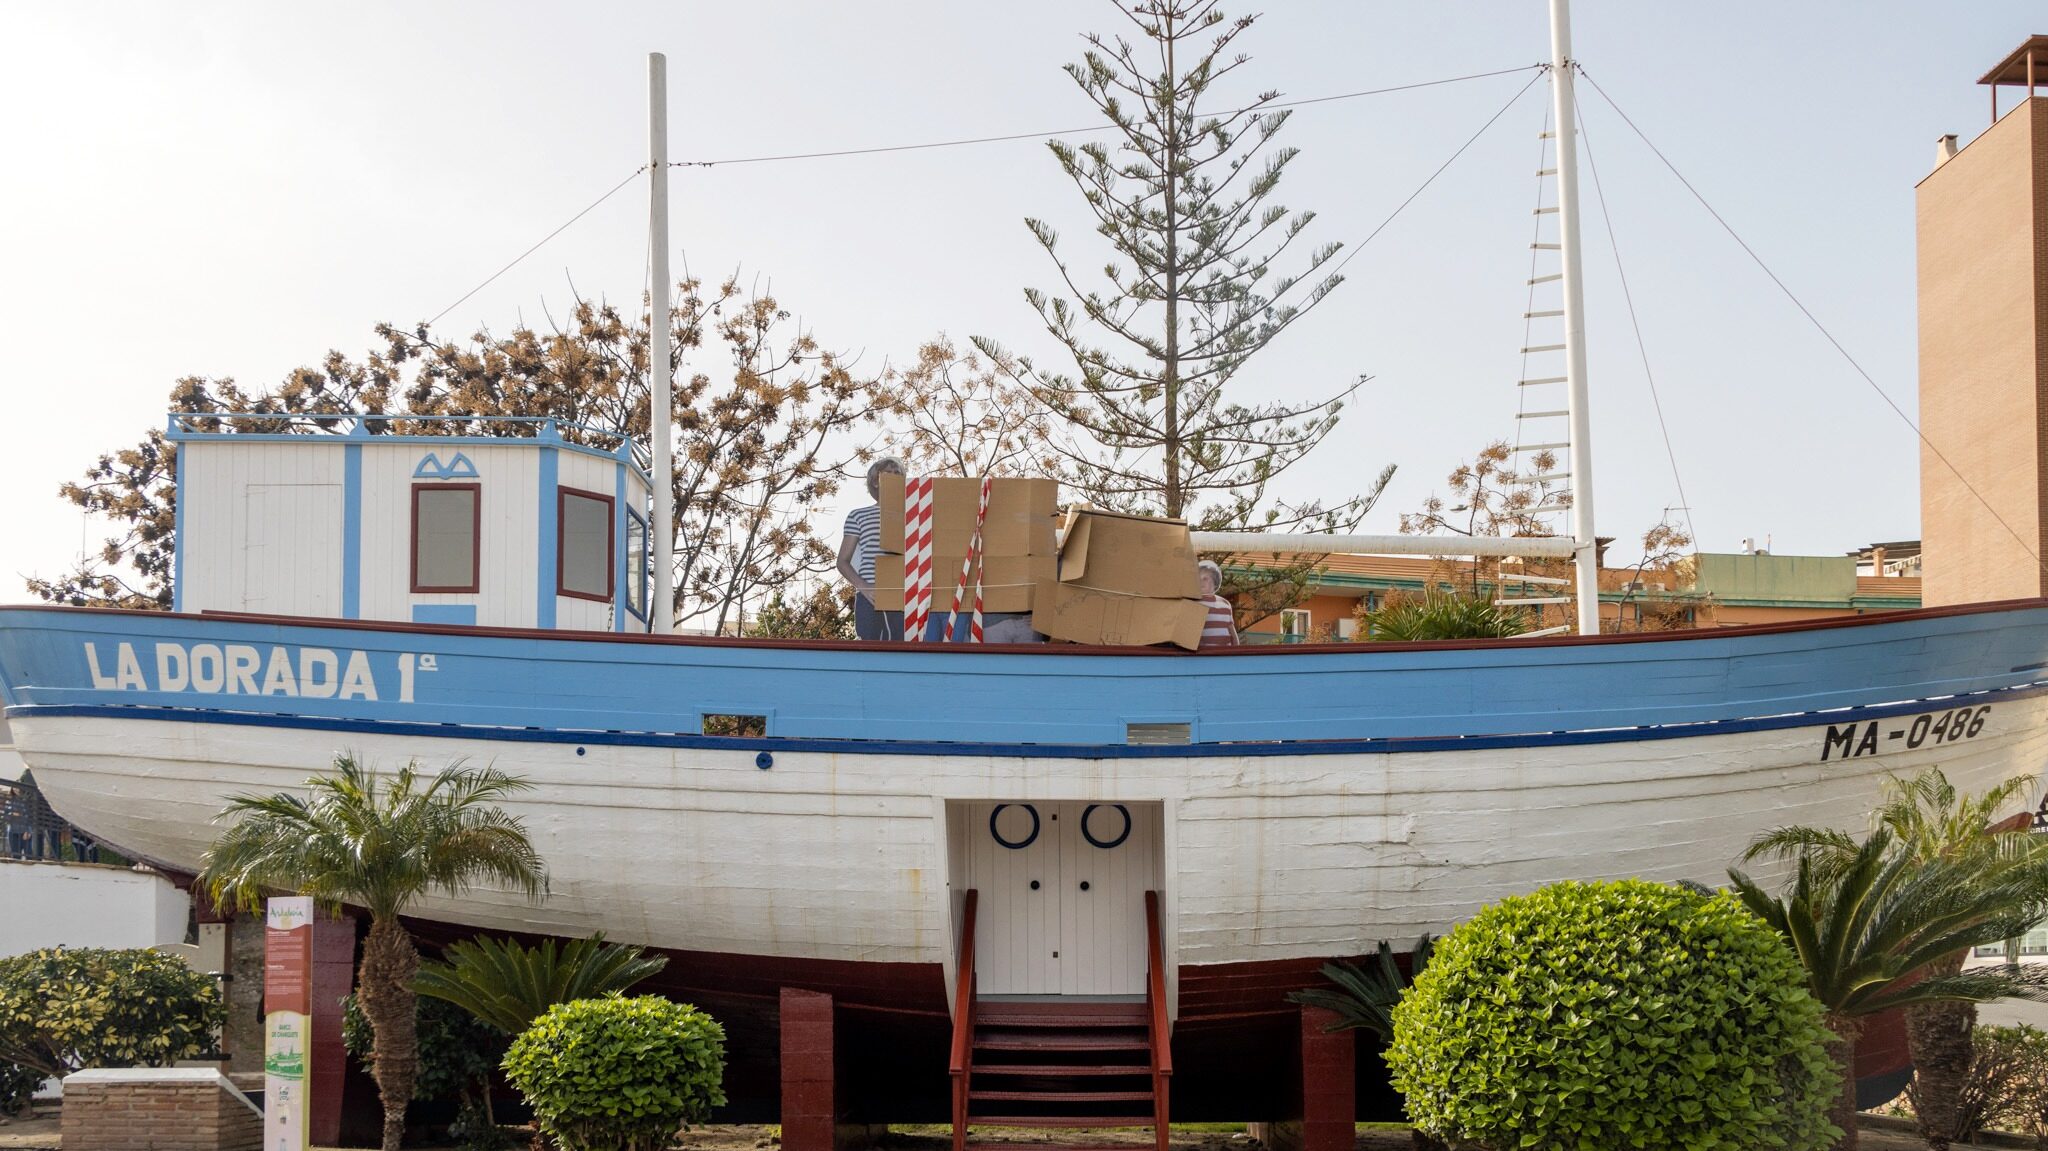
917,555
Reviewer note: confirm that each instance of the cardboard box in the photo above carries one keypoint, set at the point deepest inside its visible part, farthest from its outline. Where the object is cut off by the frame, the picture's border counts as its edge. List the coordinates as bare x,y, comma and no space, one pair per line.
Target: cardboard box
1086,615
1023,516
1134,555
1006,581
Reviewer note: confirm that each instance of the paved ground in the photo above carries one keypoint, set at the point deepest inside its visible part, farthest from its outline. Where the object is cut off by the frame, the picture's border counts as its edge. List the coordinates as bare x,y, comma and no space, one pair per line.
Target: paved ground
39,1133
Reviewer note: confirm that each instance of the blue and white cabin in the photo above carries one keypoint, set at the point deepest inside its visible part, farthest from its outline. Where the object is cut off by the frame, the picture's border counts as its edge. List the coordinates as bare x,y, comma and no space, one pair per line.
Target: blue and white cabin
525,530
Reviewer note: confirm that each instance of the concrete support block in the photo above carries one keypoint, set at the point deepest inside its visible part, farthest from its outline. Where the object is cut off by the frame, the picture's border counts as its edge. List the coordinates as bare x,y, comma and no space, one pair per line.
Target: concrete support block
810,1112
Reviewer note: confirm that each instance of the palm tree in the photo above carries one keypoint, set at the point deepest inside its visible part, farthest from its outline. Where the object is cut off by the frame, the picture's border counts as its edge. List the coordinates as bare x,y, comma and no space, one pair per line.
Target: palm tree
379,846
509,986
1929,820
1869,925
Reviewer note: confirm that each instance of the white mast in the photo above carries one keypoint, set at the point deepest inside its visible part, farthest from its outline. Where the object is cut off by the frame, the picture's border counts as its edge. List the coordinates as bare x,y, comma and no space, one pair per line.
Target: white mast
1584,548
662,606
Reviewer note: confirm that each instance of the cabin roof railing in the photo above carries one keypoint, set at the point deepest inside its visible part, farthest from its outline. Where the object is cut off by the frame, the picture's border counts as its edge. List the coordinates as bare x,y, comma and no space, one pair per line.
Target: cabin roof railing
179,427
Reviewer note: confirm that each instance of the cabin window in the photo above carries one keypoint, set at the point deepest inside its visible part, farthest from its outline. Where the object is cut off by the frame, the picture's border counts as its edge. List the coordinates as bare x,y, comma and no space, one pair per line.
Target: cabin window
636,564
583,545
446,525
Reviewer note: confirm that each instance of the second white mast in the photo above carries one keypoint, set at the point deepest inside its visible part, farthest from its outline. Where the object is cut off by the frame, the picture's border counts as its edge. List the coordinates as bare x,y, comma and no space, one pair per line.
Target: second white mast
662,608
1585,547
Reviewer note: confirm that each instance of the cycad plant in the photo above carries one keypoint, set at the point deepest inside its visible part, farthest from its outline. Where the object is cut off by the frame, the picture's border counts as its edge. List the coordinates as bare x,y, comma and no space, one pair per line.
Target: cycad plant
378,844
508,985
1930,820
1364,998
1869,925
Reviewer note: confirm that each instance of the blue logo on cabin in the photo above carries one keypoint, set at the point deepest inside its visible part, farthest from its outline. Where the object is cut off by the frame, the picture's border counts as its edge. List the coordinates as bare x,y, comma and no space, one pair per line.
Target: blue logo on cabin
431,468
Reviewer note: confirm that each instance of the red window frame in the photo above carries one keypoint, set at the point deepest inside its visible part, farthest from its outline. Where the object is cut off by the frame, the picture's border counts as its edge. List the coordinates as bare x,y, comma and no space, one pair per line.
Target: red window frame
476,536
611,543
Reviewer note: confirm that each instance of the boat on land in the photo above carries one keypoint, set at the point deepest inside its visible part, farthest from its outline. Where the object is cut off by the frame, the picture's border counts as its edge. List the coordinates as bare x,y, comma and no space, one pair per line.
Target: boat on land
999,862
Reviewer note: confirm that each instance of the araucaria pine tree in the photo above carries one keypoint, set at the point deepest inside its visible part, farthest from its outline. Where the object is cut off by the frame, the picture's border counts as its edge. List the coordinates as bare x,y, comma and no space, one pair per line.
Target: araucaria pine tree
1181,195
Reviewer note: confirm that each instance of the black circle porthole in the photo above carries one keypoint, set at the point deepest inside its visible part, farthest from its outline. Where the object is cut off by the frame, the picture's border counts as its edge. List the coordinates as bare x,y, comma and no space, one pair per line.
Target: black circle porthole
1121,836
997,834
764,761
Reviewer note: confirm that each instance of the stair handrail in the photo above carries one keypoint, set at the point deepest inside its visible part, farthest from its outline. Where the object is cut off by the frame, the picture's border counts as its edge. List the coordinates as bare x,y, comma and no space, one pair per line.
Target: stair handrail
1157,1030
963,1020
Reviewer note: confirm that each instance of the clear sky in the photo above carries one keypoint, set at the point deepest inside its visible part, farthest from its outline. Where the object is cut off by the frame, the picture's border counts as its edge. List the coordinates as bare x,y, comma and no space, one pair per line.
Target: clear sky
232,190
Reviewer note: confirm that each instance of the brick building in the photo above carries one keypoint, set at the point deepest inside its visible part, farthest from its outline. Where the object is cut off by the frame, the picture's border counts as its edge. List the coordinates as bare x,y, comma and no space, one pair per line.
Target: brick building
1982,227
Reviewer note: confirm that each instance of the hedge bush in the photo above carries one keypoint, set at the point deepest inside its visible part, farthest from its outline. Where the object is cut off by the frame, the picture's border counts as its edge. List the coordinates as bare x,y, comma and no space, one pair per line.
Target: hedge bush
1613,1015
18,1087
457,1051
618,1074
62,1009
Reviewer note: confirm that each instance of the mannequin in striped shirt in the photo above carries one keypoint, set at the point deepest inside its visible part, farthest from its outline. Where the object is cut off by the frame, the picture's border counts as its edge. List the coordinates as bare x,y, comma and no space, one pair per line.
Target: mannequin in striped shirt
1220,630
858,546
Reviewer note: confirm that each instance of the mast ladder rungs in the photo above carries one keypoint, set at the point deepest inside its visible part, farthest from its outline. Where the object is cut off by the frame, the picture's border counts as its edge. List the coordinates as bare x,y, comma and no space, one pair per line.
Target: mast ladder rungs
1542,415
1543,211
1543,380
1540,508
1541,447
1543,315
1560,629
1553,580
1536,600
1546,247
1542,172
1543,348
1546,279
1544,477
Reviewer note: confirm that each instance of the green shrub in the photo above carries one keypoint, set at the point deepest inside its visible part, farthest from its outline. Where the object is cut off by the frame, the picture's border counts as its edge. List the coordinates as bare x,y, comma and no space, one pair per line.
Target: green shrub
63,1009
18,1086
617,1074
2008,1081
457,1050
1625,1014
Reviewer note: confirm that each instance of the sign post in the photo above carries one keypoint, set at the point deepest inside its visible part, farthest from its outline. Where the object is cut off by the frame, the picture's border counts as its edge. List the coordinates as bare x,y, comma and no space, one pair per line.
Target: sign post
287,1021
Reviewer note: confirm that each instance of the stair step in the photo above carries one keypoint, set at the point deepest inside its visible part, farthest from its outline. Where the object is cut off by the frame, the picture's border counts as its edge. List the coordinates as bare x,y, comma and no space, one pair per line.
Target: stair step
1061,1120
1059,1041
1066,1096
1079,1015
1056,1069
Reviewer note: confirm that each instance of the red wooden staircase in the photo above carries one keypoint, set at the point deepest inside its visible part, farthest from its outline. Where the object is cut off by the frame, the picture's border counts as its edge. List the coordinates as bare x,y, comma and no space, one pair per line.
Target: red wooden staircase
1056,1063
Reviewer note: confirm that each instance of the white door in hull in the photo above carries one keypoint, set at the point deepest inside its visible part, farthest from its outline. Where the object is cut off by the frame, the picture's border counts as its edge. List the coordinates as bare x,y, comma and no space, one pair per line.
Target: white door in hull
1062,903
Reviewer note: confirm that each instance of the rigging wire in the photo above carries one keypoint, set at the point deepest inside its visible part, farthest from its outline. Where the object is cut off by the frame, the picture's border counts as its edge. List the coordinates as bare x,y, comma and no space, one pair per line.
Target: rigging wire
1642,349
973,140
1542,70
1818,326
538,245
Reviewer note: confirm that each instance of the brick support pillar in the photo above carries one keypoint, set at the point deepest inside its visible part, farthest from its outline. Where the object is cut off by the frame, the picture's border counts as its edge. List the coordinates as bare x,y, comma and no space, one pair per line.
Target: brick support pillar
334,970
810,1113
1329,1108
1329,1105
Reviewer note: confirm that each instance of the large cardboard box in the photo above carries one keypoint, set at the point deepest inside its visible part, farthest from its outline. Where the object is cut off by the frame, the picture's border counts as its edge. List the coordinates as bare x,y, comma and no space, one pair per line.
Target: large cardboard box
1086,615
1023,516
1007,582
1134,555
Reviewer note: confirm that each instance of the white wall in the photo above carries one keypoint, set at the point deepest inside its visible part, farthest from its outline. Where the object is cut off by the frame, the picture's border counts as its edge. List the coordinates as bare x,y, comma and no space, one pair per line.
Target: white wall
87,905
263,524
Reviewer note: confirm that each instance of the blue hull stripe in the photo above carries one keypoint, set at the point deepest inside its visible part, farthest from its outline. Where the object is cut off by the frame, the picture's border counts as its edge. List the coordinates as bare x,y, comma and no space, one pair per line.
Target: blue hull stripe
1039,750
